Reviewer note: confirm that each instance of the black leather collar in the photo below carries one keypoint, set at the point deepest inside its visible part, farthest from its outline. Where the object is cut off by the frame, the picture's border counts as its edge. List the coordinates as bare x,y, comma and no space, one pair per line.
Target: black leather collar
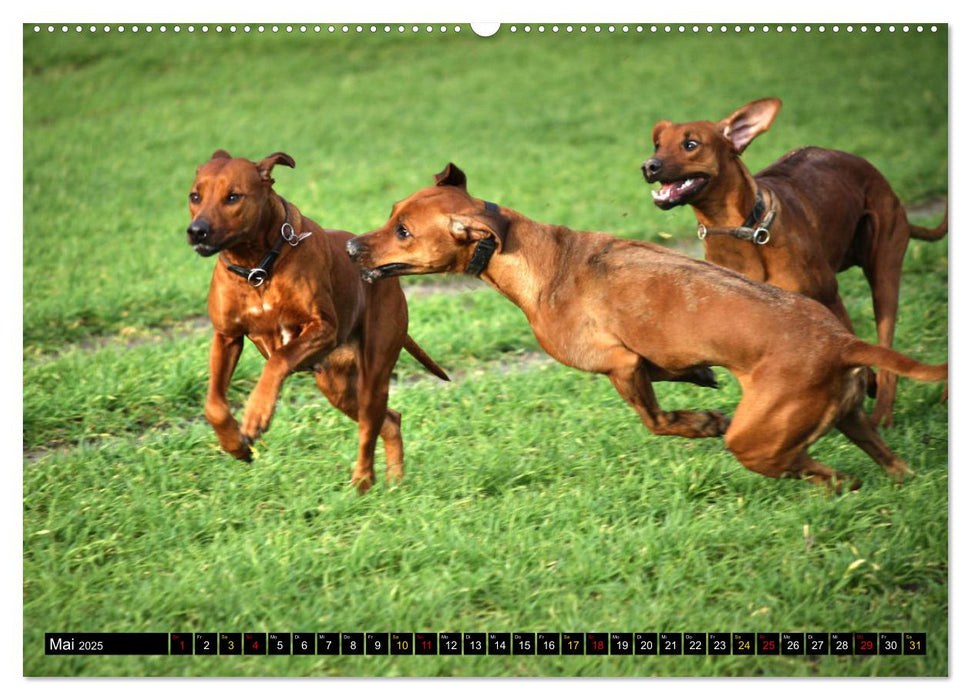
484,249
758,210
256,276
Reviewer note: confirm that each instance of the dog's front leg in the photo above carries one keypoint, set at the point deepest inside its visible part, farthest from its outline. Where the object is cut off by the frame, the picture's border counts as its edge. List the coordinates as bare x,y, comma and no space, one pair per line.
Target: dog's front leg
314,337
223,356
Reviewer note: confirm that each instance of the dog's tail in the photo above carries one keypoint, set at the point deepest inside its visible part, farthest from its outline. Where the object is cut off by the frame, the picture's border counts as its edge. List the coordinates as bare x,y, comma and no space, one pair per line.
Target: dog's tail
930,234
415,351
862,354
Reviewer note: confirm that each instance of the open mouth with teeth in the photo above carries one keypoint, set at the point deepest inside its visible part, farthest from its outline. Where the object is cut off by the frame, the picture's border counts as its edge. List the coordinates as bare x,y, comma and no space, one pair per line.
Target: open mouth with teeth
675,192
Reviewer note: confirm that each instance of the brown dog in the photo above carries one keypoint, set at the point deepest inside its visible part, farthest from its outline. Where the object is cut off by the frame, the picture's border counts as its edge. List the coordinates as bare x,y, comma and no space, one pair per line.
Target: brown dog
620,307
287,285
811,214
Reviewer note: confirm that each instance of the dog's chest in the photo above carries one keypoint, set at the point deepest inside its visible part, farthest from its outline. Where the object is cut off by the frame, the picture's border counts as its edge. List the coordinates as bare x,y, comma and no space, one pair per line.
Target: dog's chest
576,340
741,256
267,324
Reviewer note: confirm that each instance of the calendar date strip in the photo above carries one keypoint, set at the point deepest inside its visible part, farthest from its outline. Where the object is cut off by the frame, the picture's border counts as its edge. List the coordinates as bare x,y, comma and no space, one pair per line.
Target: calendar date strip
486,643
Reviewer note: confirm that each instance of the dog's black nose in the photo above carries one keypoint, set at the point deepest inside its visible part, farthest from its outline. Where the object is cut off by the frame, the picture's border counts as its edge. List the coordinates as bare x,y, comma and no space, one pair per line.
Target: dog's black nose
198,231
651,167
354,249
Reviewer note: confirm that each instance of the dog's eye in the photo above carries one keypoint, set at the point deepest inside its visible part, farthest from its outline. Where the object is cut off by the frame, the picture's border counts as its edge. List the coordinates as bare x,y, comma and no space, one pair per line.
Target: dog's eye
656,147
195,198
691,144
233,197
401,232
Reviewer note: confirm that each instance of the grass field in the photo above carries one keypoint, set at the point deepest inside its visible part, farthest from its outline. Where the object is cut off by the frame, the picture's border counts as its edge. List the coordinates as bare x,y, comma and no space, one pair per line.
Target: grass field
534,500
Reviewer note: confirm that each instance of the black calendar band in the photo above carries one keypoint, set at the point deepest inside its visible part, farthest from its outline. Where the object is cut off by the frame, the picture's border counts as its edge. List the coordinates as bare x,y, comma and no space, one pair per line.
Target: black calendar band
487,643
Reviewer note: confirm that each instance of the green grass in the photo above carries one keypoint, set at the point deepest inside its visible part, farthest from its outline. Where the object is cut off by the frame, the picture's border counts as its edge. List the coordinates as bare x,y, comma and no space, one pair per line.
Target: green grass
556,126
533,500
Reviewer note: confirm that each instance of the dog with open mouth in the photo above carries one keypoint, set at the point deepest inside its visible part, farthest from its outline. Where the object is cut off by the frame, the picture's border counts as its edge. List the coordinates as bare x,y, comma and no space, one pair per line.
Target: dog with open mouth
795,224
634,311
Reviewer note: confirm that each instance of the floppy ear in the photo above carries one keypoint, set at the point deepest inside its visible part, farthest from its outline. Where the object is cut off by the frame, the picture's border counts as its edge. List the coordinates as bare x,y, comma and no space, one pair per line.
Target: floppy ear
658,128
451,177
471,228
266,165
747,122
220,154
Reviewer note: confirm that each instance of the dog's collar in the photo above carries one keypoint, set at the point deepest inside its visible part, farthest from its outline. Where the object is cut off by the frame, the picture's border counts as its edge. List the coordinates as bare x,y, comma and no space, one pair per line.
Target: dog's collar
484,249
261,273
755,228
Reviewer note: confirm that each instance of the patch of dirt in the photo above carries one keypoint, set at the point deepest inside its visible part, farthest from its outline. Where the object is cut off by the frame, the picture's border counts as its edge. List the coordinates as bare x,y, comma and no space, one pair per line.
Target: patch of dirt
933,208
522,362
131,337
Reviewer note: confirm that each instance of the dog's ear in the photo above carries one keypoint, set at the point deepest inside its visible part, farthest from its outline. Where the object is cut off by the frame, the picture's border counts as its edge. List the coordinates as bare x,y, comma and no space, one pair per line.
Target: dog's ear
747,122
658,128
220,154
471,228
451,177
265,166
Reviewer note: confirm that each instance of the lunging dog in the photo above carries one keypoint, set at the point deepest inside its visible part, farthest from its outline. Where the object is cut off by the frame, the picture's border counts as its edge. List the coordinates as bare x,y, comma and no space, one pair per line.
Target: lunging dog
622,308
286,284
795,224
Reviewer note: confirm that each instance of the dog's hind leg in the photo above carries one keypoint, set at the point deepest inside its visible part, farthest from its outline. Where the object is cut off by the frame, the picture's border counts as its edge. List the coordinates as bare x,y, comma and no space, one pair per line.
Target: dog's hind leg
701,376
883,268
340,382
771,432
632,380
858,428
375,417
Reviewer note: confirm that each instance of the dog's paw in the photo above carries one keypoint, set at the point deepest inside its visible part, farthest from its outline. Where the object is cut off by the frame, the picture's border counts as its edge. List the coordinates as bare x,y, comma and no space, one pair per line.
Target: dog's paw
256,421
704,376
362,478
235,444
362,484
844,483
898,471
243,453
718,423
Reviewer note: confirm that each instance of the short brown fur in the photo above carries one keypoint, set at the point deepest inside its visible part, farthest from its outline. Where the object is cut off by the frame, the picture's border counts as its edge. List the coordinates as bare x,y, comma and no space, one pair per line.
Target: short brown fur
314,313
833,211
621,308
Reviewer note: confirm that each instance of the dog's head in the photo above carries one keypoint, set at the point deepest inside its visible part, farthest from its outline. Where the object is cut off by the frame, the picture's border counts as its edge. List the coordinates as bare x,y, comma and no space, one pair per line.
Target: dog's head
229,200
436,229
689,157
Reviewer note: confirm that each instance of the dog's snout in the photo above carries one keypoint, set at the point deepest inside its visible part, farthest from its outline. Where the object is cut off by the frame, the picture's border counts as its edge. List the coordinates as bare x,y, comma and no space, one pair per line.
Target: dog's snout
198,230
651,167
